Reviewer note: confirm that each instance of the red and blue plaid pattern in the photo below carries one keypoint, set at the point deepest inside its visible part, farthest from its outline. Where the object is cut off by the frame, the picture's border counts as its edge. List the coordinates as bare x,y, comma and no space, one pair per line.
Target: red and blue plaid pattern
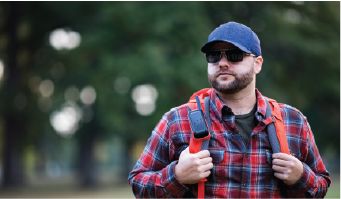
241,170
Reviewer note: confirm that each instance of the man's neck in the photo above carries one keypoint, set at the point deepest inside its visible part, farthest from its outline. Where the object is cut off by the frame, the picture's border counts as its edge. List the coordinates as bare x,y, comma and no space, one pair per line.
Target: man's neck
242,102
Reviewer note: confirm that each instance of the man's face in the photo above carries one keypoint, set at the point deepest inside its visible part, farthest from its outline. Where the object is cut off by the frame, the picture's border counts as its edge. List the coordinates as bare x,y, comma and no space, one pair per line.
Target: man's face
230,77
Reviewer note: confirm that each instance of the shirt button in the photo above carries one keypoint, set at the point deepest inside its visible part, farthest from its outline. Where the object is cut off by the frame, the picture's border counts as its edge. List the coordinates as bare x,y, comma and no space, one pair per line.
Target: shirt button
243,185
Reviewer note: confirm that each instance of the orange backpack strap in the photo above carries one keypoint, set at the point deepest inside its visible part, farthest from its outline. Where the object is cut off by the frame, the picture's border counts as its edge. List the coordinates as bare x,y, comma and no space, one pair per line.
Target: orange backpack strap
279,126
200,133
280,129
202,95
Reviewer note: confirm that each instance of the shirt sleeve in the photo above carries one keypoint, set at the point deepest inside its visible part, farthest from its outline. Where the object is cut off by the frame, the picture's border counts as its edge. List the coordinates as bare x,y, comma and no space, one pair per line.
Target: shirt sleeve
315,179
153,176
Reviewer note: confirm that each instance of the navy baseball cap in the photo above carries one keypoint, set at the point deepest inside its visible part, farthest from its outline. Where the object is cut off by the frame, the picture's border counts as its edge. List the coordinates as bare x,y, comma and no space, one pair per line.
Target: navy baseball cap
237,34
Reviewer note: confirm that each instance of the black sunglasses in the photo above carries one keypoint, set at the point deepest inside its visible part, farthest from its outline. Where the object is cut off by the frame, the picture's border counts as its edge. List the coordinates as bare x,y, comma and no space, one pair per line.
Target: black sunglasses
232,55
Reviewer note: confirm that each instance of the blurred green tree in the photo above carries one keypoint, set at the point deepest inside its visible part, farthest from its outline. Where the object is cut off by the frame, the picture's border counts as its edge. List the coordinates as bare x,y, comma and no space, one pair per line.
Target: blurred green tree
127,44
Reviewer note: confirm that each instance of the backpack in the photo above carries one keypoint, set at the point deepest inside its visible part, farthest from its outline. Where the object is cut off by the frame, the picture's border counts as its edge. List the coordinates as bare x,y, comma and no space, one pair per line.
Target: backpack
201,127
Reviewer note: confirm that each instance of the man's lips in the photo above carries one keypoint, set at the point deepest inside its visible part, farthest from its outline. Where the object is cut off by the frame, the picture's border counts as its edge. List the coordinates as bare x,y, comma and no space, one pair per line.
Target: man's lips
224,73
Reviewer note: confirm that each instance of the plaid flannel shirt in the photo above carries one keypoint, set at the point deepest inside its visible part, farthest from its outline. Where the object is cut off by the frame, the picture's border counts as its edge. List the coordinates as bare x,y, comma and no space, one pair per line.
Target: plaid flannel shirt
241,170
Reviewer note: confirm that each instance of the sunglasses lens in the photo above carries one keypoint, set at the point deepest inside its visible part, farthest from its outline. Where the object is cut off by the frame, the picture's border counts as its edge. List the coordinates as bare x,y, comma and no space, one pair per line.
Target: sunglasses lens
213,57
234,55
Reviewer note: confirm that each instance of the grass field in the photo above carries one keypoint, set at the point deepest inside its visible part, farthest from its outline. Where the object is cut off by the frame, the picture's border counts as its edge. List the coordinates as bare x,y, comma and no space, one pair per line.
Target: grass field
68,192
123,191
334,189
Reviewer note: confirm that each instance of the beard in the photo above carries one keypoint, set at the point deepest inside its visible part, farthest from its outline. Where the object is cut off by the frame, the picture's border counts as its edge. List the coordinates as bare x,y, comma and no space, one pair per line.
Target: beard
240,82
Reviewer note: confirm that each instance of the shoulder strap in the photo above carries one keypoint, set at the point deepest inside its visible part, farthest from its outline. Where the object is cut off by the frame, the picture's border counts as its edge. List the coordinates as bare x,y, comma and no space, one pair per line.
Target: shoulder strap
201,134
207,113
197,105
276,130
279,135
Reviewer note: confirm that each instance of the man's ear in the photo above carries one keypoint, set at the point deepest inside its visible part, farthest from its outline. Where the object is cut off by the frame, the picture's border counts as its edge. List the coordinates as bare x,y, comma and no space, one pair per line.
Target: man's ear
258,64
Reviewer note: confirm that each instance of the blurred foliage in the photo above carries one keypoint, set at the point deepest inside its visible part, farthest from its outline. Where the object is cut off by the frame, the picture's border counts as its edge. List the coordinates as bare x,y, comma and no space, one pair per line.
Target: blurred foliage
159,43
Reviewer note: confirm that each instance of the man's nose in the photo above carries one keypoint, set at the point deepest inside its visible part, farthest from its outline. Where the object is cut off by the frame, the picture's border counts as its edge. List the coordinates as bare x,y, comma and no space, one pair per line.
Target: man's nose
223,62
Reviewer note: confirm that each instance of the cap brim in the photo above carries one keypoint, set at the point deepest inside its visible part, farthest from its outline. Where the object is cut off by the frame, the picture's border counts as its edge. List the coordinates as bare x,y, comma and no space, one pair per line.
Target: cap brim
209,44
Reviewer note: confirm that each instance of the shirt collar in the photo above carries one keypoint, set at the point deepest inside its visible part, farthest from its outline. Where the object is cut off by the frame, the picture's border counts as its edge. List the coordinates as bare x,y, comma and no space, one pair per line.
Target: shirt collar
220,106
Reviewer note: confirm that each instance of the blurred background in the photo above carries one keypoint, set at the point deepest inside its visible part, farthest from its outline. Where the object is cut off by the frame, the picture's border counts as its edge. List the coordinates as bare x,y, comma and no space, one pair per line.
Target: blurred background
82,84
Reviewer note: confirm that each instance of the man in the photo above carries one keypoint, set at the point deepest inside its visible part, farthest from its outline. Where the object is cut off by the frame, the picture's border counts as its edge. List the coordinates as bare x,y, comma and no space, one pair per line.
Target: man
239,162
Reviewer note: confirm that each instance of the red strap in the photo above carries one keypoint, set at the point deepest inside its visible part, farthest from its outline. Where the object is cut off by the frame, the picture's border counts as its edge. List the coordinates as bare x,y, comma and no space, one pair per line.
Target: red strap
201,94
195,144
279,125
193,105
201,188
194,147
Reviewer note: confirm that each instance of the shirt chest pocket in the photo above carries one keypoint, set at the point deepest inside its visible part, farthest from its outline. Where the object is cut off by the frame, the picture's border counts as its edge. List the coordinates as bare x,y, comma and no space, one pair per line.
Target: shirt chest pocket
179,142
220,171
218,156
260,167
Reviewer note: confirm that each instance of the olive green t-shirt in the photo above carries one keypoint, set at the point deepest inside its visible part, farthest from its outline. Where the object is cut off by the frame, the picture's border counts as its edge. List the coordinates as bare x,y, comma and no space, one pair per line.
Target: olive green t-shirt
245,124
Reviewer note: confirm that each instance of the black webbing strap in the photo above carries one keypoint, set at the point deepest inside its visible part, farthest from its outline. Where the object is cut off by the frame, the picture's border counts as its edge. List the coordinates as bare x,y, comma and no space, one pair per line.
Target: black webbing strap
198,102
275,145
207,113
272,134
